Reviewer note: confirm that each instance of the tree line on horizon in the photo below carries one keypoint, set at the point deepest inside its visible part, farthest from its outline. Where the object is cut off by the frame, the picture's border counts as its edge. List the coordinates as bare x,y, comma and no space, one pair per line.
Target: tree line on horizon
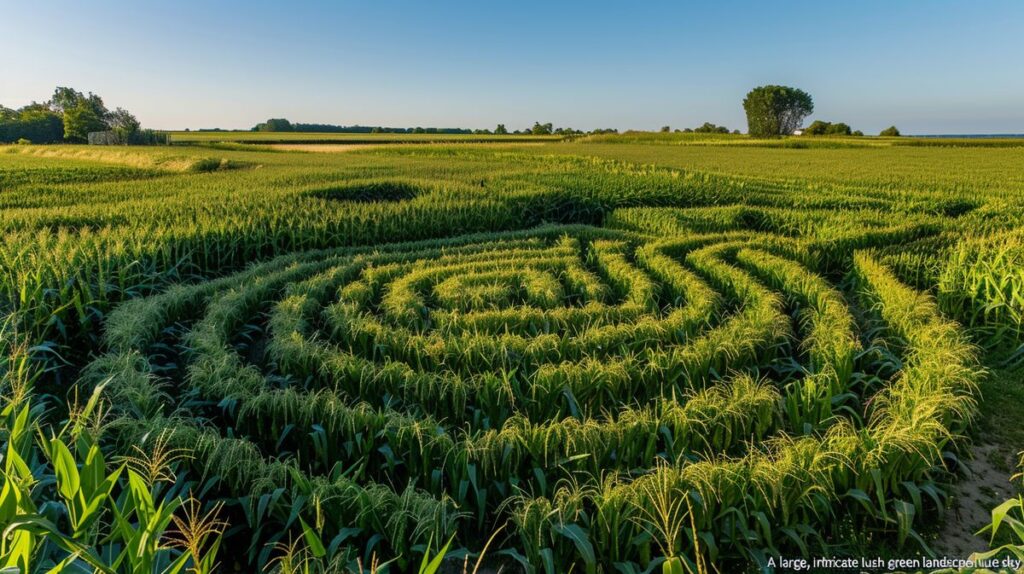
283,125
772,111
70,116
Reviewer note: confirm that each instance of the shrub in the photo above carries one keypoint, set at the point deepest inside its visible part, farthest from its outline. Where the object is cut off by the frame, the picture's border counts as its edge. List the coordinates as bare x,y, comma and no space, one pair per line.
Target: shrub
710,128
838,129
820,128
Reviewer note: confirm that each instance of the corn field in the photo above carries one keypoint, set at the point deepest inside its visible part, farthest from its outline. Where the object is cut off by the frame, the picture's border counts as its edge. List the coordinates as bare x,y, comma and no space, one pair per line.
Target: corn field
599,364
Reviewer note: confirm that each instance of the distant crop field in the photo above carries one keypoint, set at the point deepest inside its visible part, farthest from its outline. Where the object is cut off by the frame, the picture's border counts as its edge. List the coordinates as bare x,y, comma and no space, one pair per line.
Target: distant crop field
797,142
343,138
605,353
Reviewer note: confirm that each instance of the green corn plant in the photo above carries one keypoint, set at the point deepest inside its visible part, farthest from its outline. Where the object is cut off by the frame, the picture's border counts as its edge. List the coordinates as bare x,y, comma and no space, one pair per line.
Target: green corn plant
86,524
403,393
981,284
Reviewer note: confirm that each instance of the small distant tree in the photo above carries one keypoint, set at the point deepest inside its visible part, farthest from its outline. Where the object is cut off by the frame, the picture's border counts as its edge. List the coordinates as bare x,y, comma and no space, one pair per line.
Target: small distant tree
540,129
419,130
666,129
735,132
501,130
857,133
275,125
710,128
776,110
838,129
817,128
890,132
820,128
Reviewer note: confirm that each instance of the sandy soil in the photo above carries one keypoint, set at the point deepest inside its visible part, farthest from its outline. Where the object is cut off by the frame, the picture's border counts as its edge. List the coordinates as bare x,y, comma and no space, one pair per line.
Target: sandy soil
986,485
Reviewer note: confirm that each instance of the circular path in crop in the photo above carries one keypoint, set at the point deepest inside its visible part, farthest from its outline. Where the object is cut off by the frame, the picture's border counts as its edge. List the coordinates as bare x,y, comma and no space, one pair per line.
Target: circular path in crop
604,392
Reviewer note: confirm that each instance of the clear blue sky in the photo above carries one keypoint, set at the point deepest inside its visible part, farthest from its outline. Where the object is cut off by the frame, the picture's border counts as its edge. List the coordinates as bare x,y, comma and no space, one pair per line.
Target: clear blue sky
928,66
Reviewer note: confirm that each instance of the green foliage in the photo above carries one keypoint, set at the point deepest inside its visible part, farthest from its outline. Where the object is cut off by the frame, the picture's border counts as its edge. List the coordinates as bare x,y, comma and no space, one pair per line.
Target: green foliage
34,122
630,362
890,131
776,110
37,126
274,125
79,121
70,116
820,128
1008,522
81,113
101,517
710,128
123,124
65,99
838,129
982,282
817,128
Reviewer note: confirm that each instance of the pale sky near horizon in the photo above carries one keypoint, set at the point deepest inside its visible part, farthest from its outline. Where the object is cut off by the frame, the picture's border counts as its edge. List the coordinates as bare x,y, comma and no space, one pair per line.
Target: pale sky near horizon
927,66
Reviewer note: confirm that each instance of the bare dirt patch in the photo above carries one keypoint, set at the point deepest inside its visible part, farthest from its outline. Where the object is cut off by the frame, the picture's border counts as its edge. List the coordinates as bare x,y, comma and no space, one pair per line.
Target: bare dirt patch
985,486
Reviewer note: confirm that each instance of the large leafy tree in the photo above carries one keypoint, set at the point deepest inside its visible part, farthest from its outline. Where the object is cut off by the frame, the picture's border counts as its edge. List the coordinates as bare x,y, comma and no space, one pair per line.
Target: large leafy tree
82,113
80,120
776,110
65,99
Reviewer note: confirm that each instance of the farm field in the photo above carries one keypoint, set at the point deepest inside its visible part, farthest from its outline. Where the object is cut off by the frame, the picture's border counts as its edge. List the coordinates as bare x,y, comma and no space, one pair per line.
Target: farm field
347,138
606,355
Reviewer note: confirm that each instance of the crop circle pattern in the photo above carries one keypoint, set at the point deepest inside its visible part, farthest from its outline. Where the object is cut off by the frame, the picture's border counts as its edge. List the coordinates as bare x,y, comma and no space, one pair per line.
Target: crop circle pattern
552,378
